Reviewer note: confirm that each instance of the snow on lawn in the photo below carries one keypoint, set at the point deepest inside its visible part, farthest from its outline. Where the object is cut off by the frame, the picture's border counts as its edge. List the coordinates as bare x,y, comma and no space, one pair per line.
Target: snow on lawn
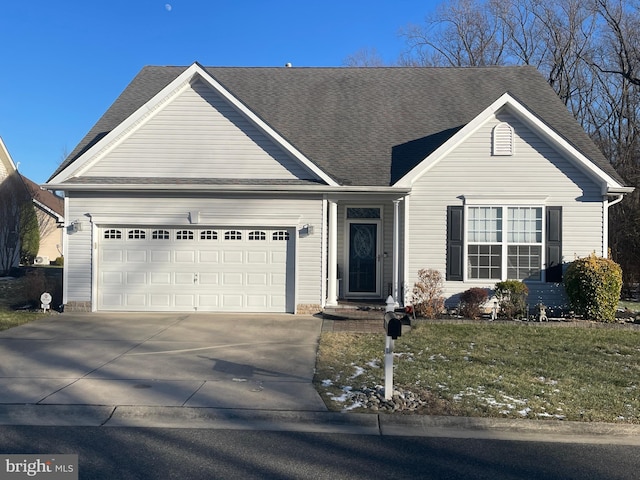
504,404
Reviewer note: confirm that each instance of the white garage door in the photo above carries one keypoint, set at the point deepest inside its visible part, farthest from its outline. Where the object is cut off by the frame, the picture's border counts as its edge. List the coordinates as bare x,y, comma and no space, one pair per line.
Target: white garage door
187,269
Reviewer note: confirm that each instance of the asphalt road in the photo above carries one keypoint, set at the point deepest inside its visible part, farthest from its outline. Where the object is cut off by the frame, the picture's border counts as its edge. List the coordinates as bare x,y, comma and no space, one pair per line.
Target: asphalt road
162,453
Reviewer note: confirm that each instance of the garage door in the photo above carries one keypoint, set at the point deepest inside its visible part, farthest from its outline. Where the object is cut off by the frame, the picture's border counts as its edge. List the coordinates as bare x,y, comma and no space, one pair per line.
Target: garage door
186,269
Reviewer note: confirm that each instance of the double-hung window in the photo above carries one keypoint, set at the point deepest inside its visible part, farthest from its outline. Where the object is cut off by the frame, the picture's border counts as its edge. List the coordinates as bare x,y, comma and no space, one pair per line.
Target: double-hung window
504,242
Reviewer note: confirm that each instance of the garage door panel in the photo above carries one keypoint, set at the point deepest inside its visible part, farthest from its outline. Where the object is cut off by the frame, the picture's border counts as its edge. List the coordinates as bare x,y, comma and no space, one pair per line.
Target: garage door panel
112,278
257,301
232,301
160,256
210,279
166,269
159,300
136,256
136,300
278,257
257,279
112,300
112,256
185,300
208,301
184,279
232,257
278,279
185,257
209,257
136,278
160,278
232,279
257,258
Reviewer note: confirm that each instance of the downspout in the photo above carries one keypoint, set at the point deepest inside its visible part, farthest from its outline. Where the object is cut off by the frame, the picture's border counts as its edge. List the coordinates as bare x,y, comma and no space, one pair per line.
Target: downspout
396,253
605,236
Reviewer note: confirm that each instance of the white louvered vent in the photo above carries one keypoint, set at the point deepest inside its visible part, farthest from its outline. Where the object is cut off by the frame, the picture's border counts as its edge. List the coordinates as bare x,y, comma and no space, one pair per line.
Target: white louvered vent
503,139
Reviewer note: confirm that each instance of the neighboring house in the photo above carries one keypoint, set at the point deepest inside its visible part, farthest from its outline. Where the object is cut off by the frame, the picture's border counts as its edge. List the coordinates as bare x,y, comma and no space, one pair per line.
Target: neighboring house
14,190
288,189
50,213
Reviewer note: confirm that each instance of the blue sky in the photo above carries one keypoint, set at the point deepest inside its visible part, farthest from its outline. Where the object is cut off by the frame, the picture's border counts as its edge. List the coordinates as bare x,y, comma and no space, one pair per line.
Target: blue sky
65,62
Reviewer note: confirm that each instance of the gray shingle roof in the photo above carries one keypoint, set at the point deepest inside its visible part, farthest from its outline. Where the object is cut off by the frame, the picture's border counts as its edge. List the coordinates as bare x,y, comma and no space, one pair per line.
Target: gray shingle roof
364,126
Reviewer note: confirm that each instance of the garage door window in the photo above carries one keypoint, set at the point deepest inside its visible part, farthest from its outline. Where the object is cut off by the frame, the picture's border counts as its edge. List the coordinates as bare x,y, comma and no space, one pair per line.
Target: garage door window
184,235
112,234
257,235
160,235
136,234
233,235
208,235
283,235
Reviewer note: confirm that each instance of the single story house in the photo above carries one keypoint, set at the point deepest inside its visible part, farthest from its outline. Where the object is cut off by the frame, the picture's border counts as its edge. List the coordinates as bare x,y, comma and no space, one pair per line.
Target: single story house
290,189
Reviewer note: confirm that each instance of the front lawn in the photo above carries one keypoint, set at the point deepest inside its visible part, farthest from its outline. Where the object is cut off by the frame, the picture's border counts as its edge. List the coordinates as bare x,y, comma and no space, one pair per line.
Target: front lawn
517,370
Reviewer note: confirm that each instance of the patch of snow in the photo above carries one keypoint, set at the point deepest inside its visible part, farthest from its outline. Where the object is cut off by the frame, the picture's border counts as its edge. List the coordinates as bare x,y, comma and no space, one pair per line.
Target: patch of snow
346,395
327,383
359,371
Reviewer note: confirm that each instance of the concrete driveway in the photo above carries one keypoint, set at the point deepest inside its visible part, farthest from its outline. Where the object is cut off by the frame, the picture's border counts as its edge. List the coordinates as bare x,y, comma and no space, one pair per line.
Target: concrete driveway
169,360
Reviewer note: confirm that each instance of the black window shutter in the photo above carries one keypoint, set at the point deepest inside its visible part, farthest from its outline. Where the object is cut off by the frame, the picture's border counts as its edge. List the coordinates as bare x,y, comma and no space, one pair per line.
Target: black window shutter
554,244
455,242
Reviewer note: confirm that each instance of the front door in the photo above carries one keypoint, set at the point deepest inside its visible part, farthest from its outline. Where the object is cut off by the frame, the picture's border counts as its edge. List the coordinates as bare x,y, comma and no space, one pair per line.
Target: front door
364,258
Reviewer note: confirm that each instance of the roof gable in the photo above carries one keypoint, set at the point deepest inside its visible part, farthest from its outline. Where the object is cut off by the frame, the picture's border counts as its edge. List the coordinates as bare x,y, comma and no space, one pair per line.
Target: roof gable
191,128
530,119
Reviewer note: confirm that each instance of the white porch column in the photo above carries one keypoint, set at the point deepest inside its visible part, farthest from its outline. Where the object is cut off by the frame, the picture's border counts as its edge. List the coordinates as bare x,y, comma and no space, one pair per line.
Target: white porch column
396,250
332,257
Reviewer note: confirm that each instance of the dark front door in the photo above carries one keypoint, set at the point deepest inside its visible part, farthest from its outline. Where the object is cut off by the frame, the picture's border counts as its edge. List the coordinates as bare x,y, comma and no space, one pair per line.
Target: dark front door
363,259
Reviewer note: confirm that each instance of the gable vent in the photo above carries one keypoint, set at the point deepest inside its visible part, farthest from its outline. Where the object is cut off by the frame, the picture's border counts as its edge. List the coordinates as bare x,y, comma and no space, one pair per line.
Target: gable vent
503,139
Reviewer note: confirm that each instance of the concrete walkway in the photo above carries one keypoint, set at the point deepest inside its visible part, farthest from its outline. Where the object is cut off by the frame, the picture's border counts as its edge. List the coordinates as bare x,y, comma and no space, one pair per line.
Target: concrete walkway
210,371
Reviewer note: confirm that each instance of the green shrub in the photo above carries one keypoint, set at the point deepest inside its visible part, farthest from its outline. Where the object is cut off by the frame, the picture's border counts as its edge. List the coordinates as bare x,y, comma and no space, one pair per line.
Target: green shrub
428,300
471,302
29,234
593,286
512,298
59,261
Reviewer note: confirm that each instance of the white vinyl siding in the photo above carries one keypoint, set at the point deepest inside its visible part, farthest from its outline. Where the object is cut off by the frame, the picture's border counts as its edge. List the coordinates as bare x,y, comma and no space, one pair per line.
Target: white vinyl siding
158,210
536,170
200,130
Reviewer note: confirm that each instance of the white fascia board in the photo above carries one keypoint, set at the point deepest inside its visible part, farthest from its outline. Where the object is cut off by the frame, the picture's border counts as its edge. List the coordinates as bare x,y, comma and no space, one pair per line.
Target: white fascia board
532,120
172,187
113,138
42,206
4,153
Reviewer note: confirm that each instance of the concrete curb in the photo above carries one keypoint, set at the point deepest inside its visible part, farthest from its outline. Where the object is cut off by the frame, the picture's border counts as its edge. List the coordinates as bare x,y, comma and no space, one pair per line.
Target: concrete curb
320,422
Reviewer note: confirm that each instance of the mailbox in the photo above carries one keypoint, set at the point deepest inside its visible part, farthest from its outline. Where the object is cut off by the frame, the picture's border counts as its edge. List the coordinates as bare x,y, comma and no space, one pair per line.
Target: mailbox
392,325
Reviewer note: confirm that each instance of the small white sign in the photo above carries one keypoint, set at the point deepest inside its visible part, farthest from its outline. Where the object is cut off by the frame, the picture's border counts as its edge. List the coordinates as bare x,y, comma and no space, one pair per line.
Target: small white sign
45,298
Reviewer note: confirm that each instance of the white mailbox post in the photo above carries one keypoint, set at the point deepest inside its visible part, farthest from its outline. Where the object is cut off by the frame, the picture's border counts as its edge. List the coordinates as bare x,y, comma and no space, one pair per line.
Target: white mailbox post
393,329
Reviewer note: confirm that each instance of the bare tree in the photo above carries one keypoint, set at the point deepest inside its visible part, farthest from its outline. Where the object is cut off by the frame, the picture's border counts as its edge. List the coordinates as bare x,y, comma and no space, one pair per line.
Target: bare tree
460,33
12,196
365,57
